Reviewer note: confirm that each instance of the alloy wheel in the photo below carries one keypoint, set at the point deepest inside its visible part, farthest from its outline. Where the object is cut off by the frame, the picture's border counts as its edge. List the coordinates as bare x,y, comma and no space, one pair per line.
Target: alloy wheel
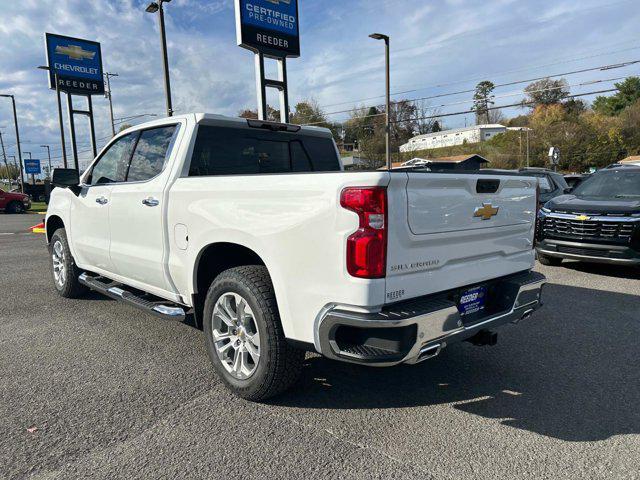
235,335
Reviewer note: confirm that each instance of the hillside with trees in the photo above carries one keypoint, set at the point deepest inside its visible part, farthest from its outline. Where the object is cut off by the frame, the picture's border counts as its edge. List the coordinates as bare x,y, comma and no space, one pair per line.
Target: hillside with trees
587,135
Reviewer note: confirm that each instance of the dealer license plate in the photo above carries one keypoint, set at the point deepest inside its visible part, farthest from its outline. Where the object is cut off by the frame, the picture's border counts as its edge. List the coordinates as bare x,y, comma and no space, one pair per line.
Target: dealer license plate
472,300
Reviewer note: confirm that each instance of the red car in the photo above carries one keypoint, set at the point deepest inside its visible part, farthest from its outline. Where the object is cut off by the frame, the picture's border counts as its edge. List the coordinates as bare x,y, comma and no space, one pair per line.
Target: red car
14,202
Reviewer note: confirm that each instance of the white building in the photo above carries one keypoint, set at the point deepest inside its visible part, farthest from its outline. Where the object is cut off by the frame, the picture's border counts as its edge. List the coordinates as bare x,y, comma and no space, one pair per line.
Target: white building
449,138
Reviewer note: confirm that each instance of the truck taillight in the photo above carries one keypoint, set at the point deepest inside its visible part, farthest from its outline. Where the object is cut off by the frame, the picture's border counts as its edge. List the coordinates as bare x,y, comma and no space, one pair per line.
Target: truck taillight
367,246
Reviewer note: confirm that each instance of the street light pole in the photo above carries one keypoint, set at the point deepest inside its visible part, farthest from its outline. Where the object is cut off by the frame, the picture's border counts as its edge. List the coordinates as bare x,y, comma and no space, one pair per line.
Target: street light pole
379,36
154,7
15,121
49,154
108,95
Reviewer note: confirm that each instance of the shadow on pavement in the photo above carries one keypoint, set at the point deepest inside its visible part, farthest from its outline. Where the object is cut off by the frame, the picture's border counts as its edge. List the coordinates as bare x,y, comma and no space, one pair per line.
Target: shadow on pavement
618,271
571,372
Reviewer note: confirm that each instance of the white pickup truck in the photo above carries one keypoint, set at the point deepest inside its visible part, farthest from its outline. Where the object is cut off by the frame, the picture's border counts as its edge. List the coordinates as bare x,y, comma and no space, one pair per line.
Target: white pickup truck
254,228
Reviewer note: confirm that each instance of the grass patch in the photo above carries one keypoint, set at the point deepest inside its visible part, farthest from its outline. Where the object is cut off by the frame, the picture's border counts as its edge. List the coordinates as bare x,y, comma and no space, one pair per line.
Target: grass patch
38,207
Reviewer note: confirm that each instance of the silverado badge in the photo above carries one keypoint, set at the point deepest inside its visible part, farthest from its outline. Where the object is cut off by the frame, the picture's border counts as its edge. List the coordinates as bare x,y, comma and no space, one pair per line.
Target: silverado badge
486,211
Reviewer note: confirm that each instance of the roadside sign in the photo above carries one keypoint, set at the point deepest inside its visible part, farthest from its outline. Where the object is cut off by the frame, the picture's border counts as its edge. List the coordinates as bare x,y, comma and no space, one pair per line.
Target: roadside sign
554,155
269,27
32,166
77,62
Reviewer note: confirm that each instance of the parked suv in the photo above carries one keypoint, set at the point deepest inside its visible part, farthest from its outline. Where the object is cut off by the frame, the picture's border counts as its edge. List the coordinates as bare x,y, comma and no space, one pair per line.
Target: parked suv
13,202
598,222
552,184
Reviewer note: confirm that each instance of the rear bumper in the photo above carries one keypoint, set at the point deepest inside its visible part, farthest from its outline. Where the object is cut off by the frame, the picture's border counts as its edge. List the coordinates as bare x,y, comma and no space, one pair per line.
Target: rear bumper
413,331
591,252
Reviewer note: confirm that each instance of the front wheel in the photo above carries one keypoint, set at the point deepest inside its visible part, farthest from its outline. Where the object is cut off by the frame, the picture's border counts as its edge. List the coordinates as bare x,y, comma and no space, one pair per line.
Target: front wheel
549,261
244,336
64,270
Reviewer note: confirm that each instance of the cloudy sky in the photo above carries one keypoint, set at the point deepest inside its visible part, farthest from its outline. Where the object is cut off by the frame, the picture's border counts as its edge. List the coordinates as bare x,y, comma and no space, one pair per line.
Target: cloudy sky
438,47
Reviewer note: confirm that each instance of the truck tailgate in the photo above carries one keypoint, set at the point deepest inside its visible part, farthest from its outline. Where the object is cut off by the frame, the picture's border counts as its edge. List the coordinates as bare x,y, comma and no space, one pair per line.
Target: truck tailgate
459,229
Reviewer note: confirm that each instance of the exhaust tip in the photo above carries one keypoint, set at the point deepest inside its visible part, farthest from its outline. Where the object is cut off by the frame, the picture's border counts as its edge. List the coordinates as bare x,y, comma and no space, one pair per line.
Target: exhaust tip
430,352
524,316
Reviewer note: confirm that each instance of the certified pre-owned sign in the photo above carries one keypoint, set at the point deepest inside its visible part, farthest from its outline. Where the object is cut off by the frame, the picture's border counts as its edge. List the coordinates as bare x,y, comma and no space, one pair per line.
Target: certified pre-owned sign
77,62
269,27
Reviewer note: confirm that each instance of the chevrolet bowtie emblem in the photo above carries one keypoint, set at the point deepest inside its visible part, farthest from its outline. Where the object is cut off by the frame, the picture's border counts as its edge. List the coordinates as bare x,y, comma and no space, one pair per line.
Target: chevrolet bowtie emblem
486,211
76,52
582,217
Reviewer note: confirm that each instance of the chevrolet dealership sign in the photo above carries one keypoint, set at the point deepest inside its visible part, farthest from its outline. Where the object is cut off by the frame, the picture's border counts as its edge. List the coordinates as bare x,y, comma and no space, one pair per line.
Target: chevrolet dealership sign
269,27
77,62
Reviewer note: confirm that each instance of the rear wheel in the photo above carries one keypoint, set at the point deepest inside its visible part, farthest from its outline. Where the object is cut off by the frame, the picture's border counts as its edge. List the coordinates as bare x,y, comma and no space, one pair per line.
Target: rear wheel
549,261
64,270
15,207
244,336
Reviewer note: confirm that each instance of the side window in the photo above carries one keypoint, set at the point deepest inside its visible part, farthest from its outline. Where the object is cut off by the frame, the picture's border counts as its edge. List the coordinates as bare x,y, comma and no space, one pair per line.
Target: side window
112,165
151,153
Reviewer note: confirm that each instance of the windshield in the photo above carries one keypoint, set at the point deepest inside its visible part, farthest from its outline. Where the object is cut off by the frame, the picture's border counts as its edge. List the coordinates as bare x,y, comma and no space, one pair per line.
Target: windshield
611,184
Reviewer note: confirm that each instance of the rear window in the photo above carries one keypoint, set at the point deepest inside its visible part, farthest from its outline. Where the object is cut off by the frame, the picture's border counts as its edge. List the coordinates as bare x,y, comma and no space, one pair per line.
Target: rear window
246,151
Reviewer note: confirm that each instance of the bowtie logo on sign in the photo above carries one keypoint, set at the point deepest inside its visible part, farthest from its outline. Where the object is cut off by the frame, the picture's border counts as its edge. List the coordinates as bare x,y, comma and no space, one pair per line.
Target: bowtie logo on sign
277,2
75,51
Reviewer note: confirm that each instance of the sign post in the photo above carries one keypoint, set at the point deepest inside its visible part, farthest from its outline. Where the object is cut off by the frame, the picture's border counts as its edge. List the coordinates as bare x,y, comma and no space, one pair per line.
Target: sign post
269,28
75,67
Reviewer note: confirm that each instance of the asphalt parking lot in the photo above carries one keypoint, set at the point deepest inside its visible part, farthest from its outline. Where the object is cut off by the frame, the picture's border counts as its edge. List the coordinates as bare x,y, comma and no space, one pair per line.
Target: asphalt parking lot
94,388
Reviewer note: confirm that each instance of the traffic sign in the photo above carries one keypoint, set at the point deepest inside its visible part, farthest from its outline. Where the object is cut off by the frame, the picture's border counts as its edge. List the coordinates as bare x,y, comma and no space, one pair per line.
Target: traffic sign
32,166
269,27
77,62
554,155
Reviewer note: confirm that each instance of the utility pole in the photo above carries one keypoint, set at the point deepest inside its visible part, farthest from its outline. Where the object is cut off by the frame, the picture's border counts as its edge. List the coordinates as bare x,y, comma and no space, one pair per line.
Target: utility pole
15,121
49,154
527,147
108,95
380,36
6,165
154,7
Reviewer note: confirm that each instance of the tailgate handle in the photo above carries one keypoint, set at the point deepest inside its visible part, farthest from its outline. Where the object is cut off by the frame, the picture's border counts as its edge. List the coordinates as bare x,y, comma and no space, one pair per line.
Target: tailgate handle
485,185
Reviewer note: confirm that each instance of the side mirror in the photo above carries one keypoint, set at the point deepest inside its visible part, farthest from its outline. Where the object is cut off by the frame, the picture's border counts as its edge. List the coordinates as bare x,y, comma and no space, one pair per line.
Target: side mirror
65,178
568,190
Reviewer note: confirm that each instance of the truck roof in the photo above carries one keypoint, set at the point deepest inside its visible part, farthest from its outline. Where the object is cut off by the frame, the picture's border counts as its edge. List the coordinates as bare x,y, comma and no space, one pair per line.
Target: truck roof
212,118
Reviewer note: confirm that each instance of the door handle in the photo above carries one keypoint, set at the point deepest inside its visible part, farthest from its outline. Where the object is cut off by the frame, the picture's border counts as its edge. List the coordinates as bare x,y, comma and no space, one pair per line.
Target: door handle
150,202
101,200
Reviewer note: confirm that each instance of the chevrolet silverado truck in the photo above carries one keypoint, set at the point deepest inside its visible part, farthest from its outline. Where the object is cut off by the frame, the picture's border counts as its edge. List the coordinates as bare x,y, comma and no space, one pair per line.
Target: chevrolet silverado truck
14,202
255,229
598,222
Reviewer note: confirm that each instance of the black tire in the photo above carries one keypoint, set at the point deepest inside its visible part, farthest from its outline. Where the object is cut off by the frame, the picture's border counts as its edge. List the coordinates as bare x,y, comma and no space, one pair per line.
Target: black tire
279,364
15,207
549,261
70,287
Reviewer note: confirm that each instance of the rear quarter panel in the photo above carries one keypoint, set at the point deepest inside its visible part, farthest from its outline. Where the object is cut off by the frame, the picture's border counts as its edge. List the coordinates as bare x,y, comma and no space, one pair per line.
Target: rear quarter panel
294,222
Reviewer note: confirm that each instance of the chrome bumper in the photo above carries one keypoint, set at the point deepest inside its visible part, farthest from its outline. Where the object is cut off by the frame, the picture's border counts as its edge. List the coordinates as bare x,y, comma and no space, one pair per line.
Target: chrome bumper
424,326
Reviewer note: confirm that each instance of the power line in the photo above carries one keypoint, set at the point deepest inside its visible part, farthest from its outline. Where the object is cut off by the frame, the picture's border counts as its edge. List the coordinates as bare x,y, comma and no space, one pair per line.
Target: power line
512,94
500,74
